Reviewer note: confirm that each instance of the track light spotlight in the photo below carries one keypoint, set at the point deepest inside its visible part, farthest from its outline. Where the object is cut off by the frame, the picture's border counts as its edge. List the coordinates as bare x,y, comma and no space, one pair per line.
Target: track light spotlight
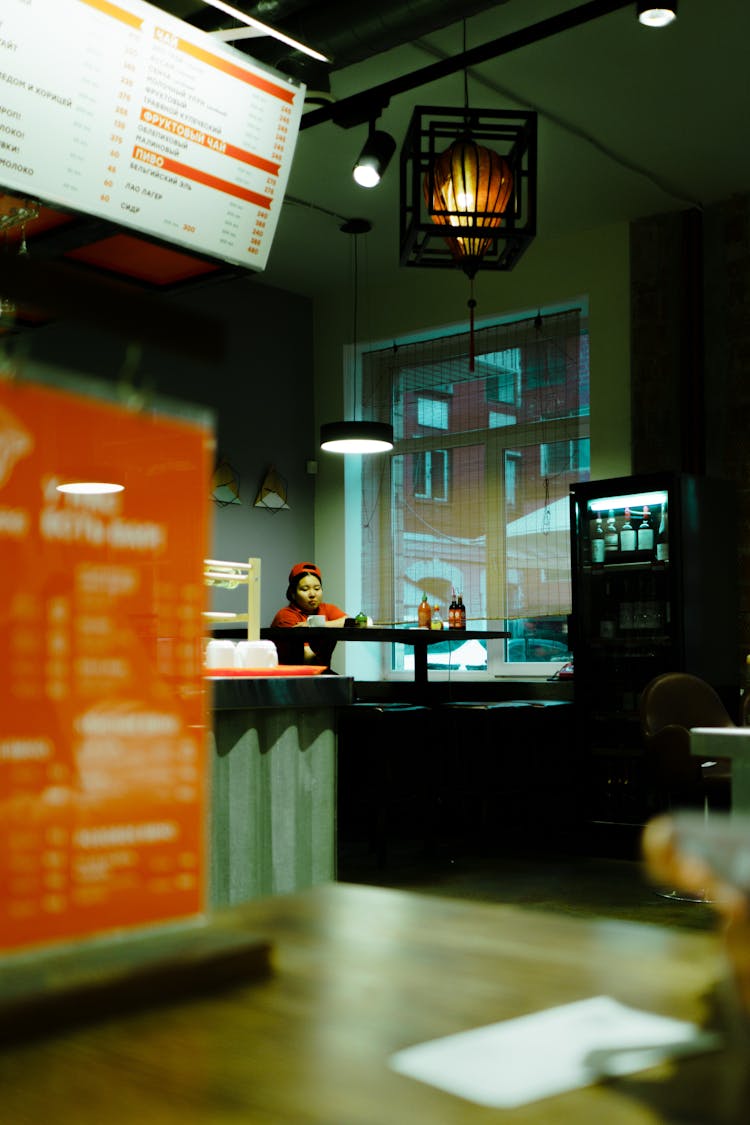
374,158
656,15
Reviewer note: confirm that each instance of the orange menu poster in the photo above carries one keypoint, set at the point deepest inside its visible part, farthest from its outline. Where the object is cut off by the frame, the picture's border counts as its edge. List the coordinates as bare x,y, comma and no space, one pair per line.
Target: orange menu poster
102,710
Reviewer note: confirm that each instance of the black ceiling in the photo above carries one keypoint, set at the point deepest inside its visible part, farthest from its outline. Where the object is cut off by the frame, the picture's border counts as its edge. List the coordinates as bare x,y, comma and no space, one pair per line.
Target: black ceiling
344,31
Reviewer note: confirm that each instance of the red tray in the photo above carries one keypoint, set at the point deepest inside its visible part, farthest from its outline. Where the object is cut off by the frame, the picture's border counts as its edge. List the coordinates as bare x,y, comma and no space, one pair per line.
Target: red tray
281,670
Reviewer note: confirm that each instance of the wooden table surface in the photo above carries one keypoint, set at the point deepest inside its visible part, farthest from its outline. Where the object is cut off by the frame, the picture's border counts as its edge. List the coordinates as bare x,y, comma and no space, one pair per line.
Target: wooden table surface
360,972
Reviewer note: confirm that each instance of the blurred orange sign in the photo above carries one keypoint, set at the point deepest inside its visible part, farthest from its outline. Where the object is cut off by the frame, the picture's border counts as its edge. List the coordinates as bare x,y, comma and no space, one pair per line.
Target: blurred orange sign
102,707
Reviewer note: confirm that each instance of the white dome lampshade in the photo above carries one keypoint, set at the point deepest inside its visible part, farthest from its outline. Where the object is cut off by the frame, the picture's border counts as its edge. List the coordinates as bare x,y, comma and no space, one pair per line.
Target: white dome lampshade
356,437
656,15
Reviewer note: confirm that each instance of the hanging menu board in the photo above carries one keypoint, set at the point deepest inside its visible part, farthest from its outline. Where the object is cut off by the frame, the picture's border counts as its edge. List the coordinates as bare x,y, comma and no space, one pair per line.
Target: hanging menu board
114,108
103,732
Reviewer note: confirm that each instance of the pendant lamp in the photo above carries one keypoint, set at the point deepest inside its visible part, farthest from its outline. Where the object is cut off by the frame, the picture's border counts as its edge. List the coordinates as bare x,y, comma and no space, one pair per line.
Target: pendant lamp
356,435
468,188
472,171
656,15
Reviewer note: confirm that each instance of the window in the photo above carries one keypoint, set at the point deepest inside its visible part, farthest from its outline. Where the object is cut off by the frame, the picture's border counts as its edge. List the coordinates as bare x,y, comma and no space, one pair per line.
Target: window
559,456
498,447
431,474
432,412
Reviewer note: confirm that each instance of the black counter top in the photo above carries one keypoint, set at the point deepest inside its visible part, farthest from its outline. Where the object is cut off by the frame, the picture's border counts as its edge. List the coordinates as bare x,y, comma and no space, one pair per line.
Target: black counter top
238,693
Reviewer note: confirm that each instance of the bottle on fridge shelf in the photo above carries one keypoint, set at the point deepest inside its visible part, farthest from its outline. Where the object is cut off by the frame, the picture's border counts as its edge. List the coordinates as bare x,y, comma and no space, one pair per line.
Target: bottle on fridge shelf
453,611
611,537
424,613
627,534
646,531
598,547
662,536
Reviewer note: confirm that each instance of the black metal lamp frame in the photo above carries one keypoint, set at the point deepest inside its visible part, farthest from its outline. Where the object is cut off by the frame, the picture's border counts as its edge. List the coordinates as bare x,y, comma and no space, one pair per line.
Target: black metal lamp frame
511,134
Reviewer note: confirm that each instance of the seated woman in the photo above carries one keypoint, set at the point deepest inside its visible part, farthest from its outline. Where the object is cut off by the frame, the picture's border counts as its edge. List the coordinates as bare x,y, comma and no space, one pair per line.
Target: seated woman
305,599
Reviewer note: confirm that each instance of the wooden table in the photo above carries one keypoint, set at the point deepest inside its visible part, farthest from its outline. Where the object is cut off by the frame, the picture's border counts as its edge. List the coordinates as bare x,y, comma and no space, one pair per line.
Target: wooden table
727,742
360,973
418,639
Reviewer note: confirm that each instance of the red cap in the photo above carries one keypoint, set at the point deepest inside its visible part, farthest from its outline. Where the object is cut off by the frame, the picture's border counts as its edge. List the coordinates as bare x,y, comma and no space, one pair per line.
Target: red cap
304,568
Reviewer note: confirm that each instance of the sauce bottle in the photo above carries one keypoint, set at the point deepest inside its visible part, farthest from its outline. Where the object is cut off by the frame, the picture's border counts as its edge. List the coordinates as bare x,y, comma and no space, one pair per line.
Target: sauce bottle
424,613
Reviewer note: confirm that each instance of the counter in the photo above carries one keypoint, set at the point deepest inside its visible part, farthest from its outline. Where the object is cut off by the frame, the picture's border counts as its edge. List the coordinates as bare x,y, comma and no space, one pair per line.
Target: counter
273,784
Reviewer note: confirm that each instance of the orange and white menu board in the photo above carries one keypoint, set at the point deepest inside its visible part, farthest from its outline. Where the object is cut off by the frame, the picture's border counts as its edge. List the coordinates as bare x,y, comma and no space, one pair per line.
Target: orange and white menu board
116,109
102,709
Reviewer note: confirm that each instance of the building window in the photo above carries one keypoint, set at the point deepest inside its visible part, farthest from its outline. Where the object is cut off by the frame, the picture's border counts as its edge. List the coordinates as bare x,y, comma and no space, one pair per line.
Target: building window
498,446
432,412
564,456
431,474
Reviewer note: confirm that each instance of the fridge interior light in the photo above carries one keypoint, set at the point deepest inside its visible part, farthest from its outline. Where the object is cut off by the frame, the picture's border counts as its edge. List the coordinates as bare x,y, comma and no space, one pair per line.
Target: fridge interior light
635,500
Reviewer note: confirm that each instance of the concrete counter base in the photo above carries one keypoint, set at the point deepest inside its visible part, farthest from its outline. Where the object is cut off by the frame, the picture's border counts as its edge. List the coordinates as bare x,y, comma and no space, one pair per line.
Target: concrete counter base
273,798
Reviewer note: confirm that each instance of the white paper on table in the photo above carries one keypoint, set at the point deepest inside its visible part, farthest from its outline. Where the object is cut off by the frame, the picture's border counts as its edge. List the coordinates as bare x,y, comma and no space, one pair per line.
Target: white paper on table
521,1060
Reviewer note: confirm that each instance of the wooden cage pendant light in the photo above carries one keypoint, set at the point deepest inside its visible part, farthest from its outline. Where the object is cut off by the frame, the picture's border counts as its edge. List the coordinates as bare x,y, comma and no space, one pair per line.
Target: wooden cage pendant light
468,190
470,187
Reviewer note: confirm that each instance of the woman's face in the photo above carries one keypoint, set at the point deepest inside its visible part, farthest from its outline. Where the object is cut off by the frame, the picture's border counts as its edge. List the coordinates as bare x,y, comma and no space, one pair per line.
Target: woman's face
309,593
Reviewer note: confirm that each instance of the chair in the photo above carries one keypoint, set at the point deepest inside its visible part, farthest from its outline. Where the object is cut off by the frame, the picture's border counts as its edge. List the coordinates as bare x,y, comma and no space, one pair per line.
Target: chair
670,705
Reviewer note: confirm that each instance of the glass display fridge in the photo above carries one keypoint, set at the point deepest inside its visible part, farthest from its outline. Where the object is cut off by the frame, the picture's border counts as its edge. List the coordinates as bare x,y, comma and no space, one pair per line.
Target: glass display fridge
654,570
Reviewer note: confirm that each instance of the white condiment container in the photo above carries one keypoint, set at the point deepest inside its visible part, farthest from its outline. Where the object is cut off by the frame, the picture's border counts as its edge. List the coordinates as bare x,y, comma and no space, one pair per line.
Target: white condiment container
220,654
256,654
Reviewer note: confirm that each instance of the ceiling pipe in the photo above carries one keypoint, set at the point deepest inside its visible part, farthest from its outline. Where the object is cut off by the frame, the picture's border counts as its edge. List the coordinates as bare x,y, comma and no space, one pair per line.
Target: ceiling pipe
360,108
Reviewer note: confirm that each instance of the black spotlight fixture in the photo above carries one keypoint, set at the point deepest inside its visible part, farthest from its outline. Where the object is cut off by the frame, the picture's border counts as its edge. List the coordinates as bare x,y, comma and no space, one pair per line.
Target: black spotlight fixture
374,158
656,15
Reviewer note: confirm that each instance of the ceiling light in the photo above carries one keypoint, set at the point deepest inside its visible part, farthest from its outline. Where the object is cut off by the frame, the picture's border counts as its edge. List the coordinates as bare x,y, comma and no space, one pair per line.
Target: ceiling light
468,188
374,158
656,15
356,437
89,487
464,203
261,28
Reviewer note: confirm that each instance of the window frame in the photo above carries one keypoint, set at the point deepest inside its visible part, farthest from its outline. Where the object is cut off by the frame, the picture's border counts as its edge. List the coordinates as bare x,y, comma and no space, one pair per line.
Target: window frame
499,439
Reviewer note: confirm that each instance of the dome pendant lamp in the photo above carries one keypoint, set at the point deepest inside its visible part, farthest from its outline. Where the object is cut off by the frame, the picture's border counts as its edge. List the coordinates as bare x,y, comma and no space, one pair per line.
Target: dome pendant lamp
356,436
656,15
